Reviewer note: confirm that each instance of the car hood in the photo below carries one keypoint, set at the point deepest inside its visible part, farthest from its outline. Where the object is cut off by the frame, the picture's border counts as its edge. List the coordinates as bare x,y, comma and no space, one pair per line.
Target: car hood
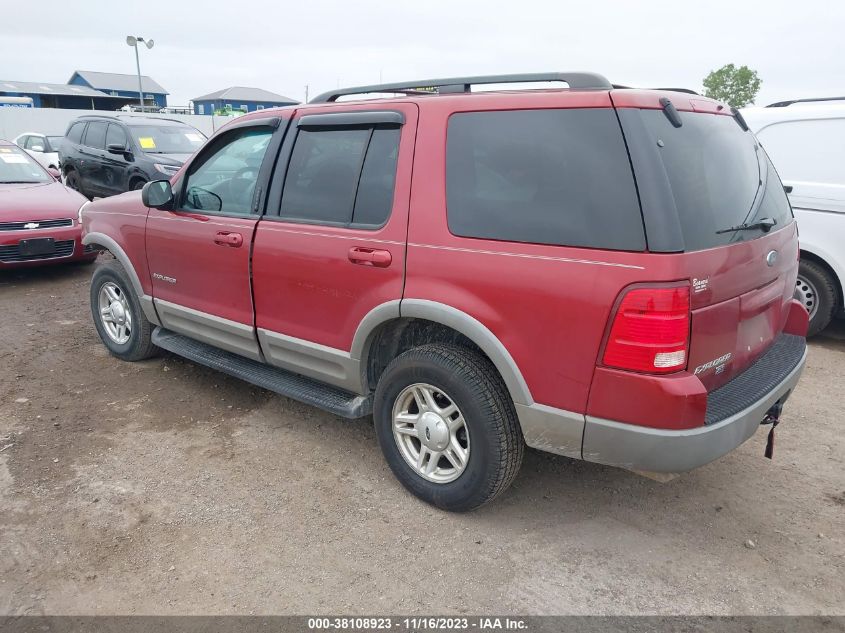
38,201
176,160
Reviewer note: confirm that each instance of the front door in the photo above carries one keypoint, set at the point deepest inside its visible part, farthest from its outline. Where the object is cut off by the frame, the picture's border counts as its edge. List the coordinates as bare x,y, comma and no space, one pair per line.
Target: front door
199,253
331,246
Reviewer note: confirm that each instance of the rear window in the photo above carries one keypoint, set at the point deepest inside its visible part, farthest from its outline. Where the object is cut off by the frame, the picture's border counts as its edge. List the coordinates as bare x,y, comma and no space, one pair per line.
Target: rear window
558,177
719,176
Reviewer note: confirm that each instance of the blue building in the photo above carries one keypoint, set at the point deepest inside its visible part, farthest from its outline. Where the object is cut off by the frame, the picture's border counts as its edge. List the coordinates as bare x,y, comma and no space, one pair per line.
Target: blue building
46,95
240,98
125,86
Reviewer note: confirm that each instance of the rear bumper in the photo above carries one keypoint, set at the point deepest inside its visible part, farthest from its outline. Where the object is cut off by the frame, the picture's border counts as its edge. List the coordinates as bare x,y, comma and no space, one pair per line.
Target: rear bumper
673,451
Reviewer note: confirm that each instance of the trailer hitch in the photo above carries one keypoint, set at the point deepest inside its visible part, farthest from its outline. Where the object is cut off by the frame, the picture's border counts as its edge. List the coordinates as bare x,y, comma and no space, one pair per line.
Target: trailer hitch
773,418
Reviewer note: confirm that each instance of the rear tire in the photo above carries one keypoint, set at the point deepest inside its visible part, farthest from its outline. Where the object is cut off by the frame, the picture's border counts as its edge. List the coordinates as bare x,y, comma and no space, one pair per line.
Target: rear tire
492,446
816,289
111,285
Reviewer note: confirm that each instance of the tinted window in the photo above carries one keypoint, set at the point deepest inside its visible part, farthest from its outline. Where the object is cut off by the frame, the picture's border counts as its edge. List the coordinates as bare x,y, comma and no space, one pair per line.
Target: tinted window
224,177
115,135
74,134
543,176
95,136
714,172
375,188
323,175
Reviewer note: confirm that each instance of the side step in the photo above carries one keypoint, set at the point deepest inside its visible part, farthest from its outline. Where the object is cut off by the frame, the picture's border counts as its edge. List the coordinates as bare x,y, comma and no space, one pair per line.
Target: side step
288,384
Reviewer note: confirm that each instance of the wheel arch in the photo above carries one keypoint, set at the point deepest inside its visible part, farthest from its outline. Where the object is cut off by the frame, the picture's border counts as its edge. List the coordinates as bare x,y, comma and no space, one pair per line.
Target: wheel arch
393,319
104,242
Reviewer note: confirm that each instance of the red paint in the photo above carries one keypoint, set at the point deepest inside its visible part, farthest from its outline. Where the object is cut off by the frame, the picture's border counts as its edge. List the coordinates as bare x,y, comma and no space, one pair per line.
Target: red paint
41,201
304,282
549,306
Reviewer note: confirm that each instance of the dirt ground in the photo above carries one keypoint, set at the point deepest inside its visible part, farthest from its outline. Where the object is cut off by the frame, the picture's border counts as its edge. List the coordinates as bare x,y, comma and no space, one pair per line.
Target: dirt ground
163,487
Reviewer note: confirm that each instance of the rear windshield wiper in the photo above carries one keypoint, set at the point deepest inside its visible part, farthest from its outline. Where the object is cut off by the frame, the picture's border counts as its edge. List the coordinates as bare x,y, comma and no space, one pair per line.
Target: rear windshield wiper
765,224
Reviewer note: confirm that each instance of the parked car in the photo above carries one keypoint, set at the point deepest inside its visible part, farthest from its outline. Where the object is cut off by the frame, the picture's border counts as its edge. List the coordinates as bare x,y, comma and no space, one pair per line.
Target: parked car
104,155
806,141
38,214
606,274
42,147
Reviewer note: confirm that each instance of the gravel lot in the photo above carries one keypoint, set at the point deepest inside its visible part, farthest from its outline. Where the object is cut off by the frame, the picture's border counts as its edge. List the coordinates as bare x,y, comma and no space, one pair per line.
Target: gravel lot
163,487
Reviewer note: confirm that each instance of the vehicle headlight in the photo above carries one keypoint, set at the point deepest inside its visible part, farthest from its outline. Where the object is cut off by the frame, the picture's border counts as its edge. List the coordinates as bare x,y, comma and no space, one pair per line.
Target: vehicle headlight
168,170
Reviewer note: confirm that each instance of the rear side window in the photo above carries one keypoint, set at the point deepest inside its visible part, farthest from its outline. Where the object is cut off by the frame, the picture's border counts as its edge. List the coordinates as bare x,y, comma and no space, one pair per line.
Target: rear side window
719,177
341,176
95,135
558,177
74,133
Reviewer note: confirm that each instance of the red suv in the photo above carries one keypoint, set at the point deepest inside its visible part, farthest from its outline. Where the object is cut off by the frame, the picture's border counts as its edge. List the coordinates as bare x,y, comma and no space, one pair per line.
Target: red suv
598,272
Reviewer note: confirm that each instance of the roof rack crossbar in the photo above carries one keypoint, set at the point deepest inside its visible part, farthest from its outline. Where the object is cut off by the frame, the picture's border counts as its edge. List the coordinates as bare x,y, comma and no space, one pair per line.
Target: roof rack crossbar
575,81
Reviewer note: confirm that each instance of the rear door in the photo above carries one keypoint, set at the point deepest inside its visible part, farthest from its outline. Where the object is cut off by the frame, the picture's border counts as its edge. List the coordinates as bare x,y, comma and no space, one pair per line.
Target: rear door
199,253
704,185
331,246
92,158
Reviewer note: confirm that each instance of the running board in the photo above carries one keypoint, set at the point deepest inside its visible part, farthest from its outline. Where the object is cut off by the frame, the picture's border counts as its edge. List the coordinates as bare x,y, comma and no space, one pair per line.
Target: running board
285,383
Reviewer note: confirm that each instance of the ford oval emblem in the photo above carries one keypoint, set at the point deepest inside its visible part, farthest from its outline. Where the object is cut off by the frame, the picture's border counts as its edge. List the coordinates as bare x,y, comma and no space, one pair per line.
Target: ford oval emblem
771,258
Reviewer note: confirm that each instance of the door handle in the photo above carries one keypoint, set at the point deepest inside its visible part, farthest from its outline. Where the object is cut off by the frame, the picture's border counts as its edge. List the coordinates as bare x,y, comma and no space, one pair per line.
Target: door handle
370,257
224,238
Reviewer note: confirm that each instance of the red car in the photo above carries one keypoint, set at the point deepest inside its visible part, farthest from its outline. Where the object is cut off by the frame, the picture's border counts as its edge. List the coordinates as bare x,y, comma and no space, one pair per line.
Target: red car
38,214
597,272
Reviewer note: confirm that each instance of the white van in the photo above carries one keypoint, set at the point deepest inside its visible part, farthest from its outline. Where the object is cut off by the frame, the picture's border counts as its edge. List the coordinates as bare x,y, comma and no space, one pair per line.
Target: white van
806,141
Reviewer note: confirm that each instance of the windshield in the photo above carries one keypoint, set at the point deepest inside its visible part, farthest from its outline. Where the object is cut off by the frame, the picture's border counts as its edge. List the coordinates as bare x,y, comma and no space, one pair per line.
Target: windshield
720,178
167,139
55,142
16,166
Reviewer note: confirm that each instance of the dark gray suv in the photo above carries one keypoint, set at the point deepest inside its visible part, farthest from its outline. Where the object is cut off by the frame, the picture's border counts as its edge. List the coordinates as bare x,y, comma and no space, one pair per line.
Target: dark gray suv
106,155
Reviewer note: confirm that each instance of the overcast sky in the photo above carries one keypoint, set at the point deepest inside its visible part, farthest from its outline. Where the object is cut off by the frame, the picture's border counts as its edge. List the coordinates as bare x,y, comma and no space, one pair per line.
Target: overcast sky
797,47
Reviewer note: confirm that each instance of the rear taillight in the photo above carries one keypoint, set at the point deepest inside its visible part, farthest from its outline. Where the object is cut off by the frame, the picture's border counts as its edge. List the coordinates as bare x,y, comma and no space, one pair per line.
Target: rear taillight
650,331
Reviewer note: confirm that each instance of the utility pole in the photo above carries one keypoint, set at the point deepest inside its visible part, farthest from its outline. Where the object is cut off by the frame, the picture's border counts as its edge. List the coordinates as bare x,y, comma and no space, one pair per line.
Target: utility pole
133,41
306,93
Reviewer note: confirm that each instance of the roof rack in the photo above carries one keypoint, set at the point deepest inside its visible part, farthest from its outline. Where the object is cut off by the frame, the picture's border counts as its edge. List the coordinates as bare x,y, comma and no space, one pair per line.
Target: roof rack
783,104
686,90
117,117
452,85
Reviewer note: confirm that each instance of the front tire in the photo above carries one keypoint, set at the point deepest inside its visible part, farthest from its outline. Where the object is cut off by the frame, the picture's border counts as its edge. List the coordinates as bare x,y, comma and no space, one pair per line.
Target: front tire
120,322
816,289
447,426
72,181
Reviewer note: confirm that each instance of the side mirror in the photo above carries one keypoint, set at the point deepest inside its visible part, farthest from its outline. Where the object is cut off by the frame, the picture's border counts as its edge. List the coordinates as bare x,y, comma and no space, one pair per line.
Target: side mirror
157,194
116,148
37,148
787,188
55,173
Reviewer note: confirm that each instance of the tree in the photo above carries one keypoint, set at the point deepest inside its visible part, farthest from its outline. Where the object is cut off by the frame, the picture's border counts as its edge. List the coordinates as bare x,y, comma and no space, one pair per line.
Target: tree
735,86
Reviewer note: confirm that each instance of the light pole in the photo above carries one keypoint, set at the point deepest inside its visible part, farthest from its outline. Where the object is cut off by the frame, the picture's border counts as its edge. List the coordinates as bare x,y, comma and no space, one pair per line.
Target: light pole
131,40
